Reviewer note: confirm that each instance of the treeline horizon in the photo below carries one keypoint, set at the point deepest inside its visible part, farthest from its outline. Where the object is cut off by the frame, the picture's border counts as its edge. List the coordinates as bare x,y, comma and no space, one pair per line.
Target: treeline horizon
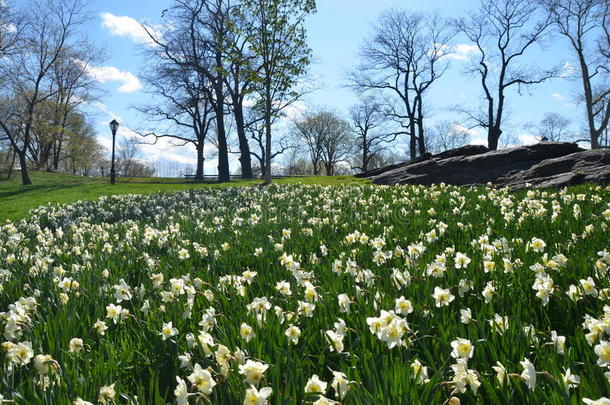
222,75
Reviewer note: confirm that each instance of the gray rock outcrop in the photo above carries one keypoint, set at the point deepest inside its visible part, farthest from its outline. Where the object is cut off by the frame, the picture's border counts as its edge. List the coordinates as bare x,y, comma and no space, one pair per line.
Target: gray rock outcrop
548,164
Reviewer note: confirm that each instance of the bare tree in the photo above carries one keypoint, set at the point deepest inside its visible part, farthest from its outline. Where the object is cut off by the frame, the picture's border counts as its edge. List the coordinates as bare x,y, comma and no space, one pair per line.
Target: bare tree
74,87
372,134
328,138
49,29
213,16
71,86
183,93
296,162
276,35
404,58
184,103
242,68
310,132
255,128
129,162
446,135
128,150
582,22
10,31
553,127
197,42
383,159
503,32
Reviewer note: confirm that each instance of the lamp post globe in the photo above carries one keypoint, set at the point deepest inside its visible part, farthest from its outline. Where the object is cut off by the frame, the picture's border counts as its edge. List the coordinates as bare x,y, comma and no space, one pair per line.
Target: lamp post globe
114,127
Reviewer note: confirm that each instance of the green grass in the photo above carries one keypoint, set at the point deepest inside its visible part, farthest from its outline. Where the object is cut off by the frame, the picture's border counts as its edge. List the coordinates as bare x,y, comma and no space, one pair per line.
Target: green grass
17,200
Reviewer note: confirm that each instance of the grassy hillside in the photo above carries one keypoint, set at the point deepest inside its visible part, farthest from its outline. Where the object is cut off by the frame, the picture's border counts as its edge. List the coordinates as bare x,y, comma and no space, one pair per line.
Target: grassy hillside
16,200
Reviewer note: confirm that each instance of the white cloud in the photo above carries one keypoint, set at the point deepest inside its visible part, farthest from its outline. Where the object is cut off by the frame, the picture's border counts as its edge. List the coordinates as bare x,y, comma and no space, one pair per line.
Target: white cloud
528,139
105,141
470,131
461,51
124,26
175,157
478,141
104,74
567,70
98,105
560,98
295,110
478,136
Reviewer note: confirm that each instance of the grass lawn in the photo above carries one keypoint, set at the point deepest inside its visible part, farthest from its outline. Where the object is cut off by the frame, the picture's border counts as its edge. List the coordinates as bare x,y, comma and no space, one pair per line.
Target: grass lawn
16,200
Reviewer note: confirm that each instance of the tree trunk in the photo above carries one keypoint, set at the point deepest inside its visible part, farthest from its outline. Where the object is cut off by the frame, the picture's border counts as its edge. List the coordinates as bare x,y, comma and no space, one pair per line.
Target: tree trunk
57,153
223,151
268,131
57,146
10,167
413,139
261,162
200,161
25,177
421,141
365,157
595,140
588,95
244,148
493,135
45,155
268,149
55,159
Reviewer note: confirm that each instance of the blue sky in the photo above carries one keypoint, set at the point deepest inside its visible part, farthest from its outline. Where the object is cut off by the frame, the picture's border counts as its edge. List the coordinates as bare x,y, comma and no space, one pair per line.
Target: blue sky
335,32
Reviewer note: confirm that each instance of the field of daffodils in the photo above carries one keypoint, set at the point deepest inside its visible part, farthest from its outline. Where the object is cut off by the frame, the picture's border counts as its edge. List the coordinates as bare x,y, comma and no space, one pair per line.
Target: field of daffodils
309,294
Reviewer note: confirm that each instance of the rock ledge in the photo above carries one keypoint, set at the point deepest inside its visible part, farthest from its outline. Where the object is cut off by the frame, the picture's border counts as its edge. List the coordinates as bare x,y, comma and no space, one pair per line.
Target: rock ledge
548,164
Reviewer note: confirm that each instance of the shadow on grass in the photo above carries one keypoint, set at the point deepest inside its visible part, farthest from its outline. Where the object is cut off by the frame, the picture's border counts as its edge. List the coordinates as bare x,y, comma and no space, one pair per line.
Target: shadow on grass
39,188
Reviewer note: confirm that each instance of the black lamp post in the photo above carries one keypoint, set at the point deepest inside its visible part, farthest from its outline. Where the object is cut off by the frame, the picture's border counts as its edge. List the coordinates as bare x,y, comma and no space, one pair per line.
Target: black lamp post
114,126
